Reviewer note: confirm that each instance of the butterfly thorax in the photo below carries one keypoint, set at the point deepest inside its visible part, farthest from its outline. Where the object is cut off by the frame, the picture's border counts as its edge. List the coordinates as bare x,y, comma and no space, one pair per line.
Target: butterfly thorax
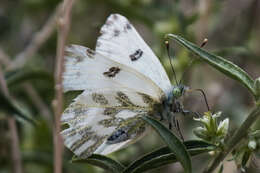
171,104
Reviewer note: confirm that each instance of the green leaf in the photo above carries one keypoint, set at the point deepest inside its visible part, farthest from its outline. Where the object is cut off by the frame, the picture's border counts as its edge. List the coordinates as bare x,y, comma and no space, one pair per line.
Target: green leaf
173,143
219,63
257,89
221,168
21,75
164,156
102,162
11,107
245,158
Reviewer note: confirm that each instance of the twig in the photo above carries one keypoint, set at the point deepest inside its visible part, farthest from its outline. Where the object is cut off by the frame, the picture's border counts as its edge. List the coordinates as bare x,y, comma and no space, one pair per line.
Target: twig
3,84
4,58
16,155
203,22
235,139
63,29
38,39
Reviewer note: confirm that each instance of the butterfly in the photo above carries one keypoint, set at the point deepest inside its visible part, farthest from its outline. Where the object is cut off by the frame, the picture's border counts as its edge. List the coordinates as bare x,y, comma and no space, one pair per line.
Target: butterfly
122,80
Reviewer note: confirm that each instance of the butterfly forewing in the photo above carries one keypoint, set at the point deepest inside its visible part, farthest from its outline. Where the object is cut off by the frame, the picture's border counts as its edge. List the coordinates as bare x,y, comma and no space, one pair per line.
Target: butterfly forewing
120,41
86,69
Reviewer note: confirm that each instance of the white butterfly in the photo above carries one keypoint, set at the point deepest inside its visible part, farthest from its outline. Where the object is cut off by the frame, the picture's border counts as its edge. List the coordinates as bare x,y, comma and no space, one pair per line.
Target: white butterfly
122,81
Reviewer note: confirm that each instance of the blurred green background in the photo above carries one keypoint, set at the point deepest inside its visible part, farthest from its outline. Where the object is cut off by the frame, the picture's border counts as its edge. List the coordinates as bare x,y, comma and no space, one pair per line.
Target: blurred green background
231,26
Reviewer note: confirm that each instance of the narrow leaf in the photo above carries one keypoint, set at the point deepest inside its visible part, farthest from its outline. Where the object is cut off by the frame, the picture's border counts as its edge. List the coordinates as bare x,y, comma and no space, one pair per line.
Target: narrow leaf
10,107
21,75
221,168
245,158
102,162
173,143
163,156
219,63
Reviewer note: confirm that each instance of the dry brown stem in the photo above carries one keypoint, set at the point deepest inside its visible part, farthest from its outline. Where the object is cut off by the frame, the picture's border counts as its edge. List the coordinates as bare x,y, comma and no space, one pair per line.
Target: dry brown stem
37,41
63,29
15,151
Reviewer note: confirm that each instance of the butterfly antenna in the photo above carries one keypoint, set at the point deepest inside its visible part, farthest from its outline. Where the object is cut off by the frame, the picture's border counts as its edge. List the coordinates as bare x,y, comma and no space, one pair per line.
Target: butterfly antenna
192,61
204,42
183,74
168,52
204,96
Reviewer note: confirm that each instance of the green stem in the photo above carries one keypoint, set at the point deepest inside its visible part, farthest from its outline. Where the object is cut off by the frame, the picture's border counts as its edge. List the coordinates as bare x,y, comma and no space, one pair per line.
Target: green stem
234,140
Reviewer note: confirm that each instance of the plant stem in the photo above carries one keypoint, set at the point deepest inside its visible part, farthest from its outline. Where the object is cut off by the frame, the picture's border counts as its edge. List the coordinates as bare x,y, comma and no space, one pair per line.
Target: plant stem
16,155
15,151
234,140
63,29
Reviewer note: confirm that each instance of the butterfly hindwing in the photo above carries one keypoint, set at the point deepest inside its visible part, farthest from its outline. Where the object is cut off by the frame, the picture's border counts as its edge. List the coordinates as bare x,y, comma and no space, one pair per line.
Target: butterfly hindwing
104,121
120,41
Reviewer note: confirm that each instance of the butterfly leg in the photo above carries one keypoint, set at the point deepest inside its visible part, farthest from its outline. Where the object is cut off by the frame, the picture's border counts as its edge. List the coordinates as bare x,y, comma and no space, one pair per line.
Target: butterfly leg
179,130
170,120
177,126
161,117
169,115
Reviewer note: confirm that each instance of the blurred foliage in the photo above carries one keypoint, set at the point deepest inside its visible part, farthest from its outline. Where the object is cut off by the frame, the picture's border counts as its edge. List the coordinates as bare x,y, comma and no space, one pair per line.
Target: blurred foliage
232,28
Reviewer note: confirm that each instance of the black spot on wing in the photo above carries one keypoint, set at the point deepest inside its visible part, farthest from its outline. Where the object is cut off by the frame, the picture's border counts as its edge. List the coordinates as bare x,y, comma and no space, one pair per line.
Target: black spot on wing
112,72
118,136
136,55
128,26
90,53
79,59
99,98
114,16
116,32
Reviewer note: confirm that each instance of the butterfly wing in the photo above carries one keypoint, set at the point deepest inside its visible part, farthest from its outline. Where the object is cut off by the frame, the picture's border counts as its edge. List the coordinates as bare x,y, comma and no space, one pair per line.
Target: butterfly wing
105,117
120,41
86,69
103,121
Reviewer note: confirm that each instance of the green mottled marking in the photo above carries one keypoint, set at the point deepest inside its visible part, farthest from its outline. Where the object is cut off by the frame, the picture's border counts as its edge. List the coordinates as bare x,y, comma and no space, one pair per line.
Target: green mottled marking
90,53
88,136
84,132
111,111
111,122
69,54
98,141
147,99
133,127
79,59
123,99
99,98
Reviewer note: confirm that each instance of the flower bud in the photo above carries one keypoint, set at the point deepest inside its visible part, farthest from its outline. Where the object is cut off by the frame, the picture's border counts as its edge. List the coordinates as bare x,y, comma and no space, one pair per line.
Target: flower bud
252,144
257,88
223,127
201,132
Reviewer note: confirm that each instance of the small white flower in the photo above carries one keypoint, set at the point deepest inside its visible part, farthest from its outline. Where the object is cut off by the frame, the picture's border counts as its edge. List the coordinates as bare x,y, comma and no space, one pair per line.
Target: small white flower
252,144
201,133
223,127
216,115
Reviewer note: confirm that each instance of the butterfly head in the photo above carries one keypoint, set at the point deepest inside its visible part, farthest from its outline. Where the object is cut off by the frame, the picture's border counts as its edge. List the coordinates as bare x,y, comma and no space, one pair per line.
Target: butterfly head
178,91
